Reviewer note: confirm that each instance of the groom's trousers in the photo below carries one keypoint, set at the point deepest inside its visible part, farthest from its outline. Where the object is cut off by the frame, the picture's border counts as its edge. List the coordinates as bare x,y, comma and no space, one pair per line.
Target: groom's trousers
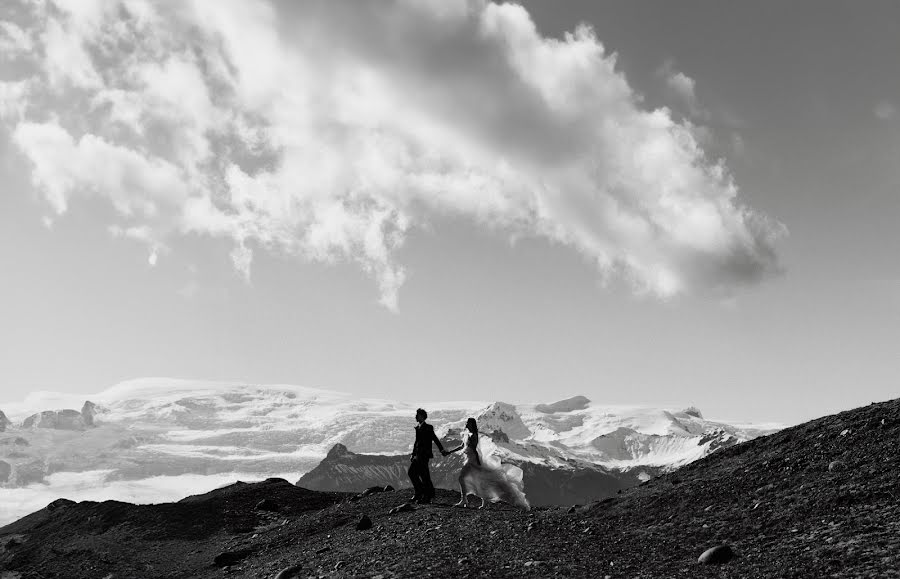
421,478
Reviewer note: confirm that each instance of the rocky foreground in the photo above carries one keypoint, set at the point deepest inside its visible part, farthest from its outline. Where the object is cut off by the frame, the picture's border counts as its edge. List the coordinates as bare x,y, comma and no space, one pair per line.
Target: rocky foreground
816,500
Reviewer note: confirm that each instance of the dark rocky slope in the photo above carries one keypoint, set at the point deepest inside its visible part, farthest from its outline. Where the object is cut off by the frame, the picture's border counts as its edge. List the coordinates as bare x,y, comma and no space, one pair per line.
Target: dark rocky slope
817,500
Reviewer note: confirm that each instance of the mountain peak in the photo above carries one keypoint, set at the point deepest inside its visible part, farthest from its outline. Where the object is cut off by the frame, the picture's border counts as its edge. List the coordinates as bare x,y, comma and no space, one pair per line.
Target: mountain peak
503,416
566,405
337,451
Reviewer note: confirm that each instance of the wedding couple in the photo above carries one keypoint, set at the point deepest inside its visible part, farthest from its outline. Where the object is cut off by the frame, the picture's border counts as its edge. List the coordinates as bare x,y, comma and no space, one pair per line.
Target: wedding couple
482,474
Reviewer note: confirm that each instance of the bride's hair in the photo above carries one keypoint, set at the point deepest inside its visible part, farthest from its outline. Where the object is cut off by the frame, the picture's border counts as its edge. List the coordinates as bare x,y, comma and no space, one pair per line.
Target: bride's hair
472,426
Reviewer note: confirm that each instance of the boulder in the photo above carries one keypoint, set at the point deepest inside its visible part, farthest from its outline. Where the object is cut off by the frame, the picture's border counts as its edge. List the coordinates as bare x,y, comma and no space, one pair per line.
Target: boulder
63,420
837,466
46,419
716,555
364,523
88,411
70,420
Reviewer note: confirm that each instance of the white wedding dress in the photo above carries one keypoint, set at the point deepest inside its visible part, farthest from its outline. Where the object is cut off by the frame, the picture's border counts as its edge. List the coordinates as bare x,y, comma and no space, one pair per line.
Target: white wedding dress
490,480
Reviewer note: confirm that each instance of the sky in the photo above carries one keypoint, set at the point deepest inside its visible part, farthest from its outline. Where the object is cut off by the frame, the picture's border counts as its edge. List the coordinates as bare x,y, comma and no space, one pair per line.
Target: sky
643,202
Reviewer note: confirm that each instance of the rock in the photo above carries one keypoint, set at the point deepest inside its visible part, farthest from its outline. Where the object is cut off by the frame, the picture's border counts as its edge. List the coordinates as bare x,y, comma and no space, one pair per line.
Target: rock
693,411
4,422
572,509
229,558
371,491
499,436
289,572
59,503
567,405
364,524
716,555
837,466
88,411
70,420
337,451
63,420
267,505
388,489
338,565
405,507
5,471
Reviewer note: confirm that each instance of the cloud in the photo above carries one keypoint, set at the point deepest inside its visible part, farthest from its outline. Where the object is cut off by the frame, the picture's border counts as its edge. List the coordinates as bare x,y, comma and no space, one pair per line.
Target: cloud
329,130
683,89
885,111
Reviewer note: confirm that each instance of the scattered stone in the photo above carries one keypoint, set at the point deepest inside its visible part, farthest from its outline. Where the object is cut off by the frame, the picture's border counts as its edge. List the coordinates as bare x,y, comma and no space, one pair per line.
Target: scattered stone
572,509
836,466
364,524
289,572
405,507
267,505
371,491
229,558
716,555
323,550
338,565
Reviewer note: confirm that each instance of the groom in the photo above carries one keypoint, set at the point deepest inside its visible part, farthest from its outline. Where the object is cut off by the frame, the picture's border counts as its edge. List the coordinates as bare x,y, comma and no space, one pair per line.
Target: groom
421,454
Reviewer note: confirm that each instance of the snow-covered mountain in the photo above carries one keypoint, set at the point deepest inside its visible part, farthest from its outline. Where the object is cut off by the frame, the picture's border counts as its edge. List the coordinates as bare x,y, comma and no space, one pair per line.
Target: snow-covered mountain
143,435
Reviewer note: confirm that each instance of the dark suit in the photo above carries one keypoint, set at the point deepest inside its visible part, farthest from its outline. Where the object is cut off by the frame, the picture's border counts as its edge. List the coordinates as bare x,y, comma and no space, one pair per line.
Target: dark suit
418,465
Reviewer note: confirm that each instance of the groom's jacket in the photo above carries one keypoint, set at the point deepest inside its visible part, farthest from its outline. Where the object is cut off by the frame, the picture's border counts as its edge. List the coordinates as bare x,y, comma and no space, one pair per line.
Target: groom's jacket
424,437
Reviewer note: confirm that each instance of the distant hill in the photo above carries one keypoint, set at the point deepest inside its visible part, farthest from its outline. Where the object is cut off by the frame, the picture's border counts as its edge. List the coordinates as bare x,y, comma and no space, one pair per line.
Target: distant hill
816,500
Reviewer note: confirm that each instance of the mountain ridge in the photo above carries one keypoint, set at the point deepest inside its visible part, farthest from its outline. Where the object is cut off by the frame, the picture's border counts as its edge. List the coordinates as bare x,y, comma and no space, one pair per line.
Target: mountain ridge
145,440
815,500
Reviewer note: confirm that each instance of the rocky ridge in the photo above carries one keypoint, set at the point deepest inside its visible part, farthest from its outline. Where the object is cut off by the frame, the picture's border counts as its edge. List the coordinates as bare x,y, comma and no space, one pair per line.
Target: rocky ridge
816,500
581,482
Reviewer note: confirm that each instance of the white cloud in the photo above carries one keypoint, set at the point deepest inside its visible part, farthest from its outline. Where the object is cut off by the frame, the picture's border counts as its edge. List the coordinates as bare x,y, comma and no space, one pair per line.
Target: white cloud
885,111
329,130
683,89
14,41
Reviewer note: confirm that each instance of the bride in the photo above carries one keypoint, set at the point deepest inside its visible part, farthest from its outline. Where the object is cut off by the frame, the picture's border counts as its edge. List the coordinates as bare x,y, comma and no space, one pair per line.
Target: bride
484,476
